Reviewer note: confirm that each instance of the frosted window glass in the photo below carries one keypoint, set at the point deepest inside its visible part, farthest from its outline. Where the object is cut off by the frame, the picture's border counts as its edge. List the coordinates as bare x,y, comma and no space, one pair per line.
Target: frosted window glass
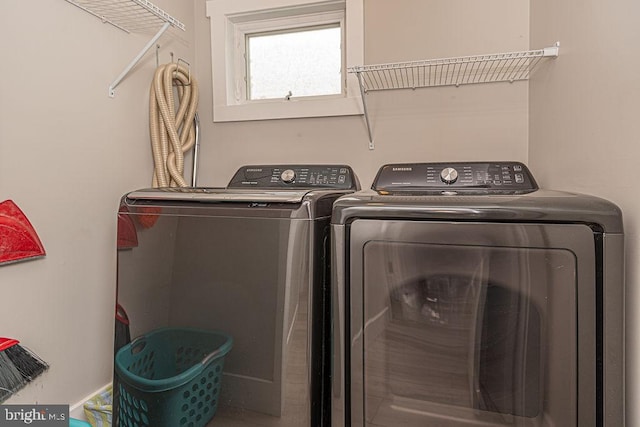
303,63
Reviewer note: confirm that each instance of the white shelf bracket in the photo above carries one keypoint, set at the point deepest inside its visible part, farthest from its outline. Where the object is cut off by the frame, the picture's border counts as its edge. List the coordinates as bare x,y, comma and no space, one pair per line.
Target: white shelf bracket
372,145
123,74
551,51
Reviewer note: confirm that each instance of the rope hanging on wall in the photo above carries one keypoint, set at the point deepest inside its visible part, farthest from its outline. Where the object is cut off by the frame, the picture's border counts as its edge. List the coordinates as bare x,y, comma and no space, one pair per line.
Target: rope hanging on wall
172,132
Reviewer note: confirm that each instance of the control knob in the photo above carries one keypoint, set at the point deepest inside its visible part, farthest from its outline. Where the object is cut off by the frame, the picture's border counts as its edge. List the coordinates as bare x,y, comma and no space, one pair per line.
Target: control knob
449,175
288,176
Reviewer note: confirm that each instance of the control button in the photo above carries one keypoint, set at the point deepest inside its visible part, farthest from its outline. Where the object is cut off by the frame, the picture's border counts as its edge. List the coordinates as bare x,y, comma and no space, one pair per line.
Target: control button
449,175
341,179
519,178
288,176
517,168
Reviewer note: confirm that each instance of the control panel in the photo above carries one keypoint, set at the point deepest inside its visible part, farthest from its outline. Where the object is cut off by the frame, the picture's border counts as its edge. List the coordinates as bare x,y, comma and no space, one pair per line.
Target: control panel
455,178
339,177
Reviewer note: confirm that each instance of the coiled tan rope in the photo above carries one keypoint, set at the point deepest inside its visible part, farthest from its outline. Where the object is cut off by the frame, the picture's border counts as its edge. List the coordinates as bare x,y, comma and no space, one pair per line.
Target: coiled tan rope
172,133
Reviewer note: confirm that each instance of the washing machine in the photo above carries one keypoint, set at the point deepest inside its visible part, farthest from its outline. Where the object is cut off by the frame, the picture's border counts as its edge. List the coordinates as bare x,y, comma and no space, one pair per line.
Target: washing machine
464,295
250,260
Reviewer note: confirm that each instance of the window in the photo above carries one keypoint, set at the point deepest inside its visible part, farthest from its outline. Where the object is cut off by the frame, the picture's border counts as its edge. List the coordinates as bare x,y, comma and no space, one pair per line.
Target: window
302,62
276,59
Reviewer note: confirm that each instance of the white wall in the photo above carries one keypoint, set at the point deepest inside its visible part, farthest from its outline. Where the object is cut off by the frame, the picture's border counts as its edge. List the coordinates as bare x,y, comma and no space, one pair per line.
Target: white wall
584,125
67,154
465,123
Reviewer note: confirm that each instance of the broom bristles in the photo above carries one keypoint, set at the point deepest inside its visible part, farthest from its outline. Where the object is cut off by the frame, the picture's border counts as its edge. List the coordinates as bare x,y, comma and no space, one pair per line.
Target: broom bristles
27,362
18,367
11,380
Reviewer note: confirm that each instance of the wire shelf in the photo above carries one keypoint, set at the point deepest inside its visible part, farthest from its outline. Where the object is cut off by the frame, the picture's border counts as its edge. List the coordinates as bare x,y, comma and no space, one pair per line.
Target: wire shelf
456,71
132,16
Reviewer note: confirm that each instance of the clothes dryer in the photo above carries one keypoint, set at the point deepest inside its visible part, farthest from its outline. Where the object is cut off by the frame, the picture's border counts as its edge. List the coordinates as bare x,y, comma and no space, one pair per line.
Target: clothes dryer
250,260
463,295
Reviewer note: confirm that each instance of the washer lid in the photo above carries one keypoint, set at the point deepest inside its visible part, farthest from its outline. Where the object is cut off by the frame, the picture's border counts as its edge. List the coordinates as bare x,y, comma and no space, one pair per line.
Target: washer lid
213,195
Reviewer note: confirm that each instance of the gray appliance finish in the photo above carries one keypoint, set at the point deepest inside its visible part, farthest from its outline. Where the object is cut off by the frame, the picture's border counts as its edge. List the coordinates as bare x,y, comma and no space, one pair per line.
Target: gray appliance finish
251,260
463,295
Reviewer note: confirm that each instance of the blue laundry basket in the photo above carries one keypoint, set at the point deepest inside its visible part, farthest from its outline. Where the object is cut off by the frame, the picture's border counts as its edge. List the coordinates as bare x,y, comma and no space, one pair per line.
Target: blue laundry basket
171,377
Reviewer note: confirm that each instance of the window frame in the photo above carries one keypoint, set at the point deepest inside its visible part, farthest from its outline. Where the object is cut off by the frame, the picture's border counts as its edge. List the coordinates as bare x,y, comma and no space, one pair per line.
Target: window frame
232,20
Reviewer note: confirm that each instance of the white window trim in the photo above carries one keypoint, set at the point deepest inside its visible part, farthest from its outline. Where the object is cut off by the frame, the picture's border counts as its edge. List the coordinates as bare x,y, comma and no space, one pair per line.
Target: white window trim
229,17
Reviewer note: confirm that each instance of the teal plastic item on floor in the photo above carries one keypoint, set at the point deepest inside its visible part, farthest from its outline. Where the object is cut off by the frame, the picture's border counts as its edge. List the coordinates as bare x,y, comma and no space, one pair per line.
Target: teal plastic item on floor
77,423
171,377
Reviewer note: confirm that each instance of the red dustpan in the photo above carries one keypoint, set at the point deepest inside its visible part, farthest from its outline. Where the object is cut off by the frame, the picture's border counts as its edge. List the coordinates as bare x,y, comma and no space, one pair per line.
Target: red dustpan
18,240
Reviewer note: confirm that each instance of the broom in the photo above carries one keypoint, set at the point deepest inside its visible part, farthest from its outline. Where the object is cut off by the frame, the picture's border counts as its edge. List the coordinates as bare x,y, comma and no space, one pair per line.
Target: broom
18,367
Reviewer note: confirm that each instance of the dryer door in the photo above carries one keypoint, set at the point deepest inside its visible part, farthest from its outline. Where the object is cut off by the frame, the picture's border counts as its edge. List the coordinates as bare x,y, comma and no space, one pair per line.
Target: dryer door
470,324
